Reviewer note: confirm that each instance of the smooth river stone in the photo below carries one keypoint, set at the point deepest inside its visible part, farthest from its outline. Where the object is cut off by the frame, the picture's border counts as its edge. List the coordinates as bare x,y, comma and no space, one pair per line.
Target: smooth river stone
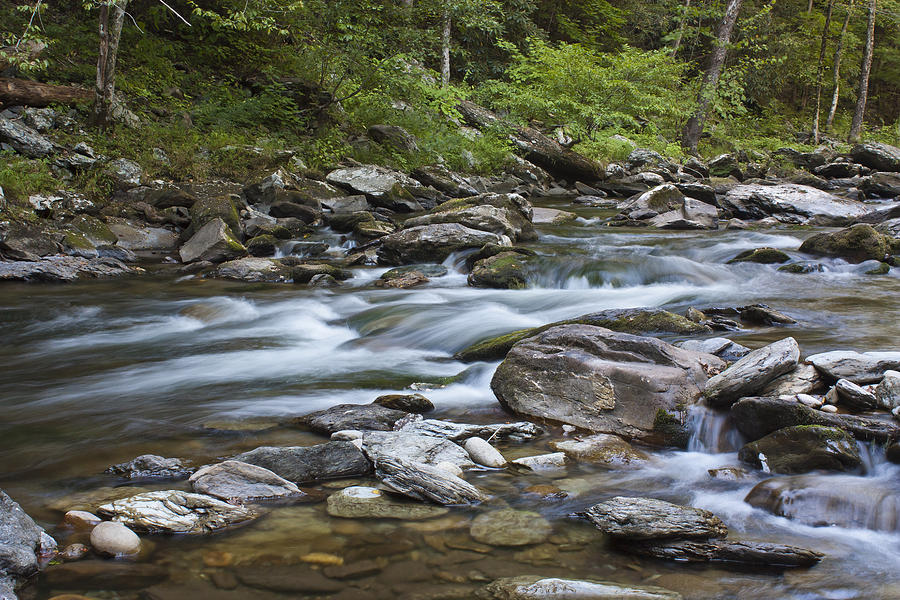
509,527
483,453
114,539
235,482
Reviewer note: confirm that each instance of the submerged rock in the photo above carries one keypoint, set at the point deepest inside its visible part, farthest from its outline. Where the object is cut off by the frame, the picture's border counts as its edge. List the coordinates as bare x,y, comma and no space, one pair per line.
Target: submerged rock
534,587
598,379
509,527
310,463
151,466
803,448
358,502
748,553
238,482
172,511
652,519
751,373
103,574
600,448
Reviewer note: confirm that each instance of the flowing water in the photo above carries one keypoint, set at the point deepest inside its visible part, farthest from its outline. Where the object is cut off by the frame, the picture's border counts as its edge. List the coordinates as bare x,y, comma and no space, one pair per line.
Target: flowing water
98,372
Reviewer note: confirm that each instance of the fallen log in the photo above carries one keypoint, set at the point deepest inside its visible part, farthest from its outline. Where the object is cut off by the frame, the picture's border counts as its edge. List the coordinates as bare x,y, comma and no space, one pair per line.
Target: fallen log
34,93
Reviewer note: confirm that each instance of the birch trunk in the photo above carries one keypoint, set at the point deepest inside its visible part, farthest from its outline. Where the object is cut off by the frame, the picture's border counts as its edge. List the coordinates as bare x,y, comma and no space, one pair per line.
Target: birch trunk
820,72
836,72
859,113
112,17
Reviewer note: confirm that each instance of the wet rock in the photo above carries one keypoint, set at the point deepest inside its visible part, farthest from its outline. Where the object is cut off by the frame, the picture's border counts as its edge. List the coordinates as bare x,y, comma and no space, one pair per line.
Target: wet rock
717,346
114,539
801,268
238,482
80,520
213,242
172,511
151,241
751,373
25,140
506,215
881,185
425,482
410,403
824,501
552,216
855,244
839,170
855,396
296,580
482,453
652,519
765,256
692,214
534,587
72,552
877,156
518,431
286,209
372,417
888,391
433,243
358,502
304,273
747,553
310,463
210,208
20,542
791,203
627,378
629,320
509,527
729,473
151,466
62,269
262,245
600,448
760,314
858,367
254,270
554,461
805,379
103,574
757,417
384,187
411,447
505,271
801,449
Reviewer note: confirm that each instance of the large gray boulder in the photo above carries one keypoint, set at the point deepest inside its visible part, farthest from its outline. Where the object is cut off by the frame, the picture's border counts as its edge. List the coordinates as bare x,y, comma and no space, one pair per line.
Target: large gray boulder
803,448
384,187
310,463
791,203
174,511
534,587
692,214
509,215
599,379
151,466
214,242
855,244
653,519
411,447
882,185
25,140
434,243
751,373
61,269
877,156
238,482
858,367
20,543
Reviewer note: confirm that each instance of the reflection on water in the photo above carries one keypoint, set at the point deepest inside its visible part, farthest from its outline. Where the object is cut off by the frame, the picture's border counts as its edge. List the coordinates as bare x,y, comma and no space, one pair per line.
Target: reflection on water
96,373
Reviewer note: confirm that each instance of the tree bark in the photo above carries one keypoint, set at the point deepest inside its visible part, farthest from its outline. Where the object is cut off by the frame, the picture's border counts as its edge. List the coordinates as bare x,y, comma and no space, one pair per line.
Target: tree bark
836,72
820,72
445,48
687,6
112,17
859,113
34,93
694,127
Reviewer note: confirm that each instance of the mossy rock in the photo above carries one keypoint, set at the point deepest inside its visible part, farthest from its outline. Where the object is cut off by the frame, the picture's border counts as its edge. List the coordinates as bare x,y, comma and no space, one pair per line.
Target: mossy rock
75,241
262,245
347,222
94,230
881,269
305,273
205,210
801,268
669,430
764,256
507,270
803,448
636,321
428,270
856,244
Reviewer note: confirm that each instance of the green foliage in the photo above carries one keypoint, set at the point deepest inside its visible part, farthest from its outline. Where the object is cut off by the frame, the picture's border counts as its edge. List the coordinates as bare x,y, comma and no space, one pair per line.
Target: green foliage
21,38
22,177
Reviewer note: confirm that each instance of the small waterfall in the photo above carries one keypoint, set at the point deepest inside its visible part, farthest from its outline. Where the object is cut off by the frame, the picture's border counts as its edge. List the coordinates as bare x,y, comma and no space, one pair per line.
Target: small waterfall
712,431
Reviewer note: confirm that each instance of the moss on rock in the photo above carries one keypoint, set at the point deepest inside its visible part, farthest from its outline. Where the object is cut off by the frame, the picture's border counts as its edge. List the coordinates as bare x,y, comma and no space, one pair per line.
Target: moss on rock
765,256
855,244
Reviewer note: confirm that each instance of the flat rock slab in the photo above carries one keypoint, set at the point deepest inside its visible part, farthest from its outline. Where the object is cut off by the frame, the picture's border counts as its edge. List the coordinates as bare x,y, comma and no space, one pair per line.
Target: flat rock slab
352,416
310,463
172,511
531,587
747,553
458,432
62,269
509,527
358,502
649,518
794,202
237,482
415,448
434,243
753,372
858,367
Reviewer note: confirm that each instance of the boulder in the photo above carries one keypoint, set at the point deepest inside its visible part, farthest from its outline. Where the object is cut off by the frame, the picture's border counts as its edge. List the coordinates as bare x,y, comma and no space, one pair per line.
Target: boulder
506,215
411,447
114,539
352,416
304,273
600,380
238,482
410,403
386,188
765,256
805,379
803,448
628,320
534,587
173,511
692,214
310,463
25,140
858,367
755,554
482,453
756,417
149,241
888,391
554,461
600,448
751,373
551,216
393,136
760,314
839,170
505,271
359,502
881,185
433,243
62,269
509,527
210,208
253,270
426,482
718,346
213,242
20,542
855,396
637,519
286,209
855,244
126,174
791,203
151,466
661,199
877,156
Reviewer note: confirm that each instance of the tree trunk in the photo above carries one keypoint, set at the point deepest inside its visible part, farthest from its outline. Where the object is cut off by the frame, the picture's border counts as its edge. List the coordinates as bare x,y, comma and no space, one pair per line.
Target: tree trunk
33,93
694,127
445,49
684,14
820,72
859,113
836,73
105,87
